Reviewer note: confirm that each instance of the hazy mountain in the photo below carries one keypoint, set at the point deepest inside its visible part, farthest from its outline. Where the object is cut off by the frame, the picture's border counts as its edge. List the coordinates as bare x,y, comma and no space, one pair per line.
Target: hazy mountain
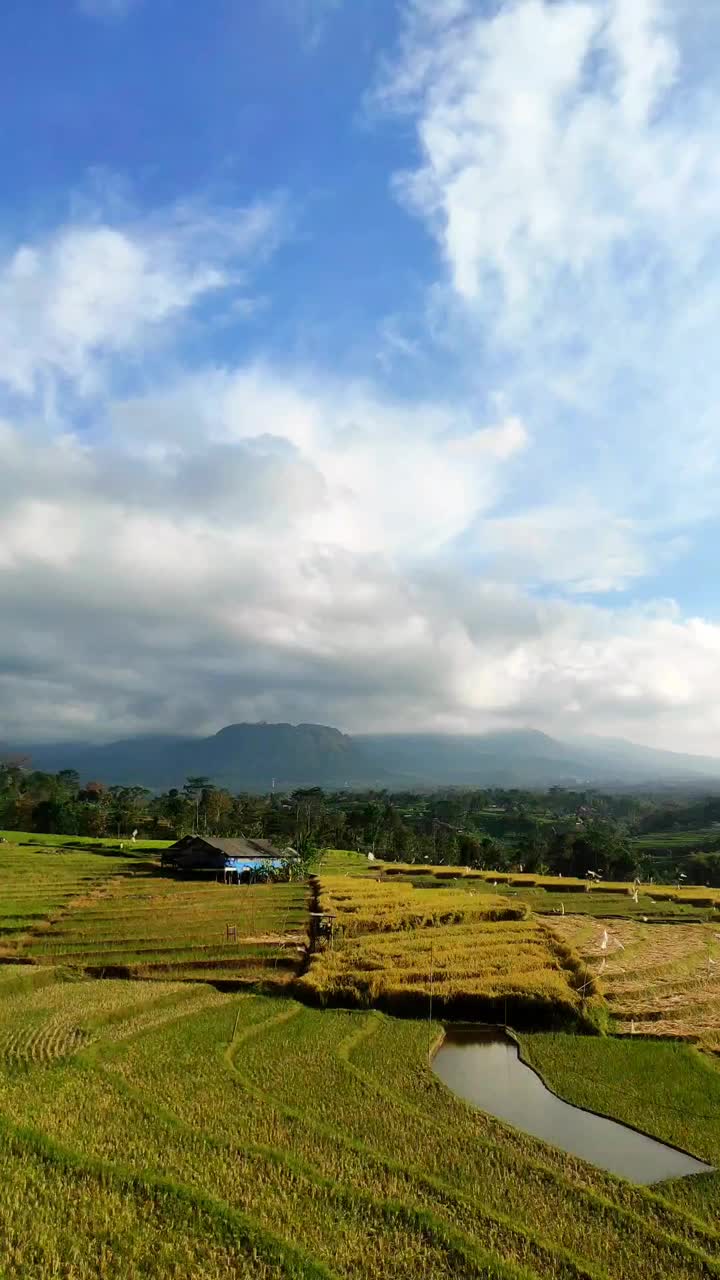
240,756
504,758
250,756
528,758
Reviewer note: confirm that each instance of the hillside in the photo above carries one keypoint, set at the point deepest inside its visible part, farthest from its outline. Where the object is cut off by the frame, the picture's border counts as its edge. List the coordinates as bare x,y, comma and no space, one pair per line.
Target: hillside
528,758
253,756
240,756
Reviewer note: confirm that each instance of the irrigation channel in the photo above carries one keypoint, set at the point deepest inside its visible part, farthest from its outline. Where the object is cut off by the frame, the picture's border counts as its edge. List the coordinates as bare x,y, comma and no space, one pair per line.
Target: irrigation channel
483,1065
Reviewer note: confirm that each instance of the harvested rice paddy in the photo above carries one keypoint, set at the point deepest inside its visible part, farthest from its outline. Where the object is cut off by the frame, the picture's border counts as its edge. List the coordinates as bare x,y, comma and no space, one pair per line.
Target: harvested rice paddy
659,980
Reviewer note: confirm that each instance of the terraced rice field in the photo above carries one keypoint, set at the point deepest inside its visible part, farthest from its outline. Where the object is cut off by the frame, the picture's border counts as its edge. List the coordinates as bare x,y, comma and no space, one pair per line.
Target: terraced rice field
117,916
35,838
555,895
345,862
375,906
476,956
174,1131
39,885
658,979
174,1128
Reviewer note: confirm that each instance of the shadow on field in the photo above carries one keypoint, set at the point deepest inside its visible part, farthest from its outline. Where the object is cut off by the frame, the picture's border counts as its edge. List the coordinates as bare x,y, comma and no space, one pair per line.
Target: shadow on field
101,850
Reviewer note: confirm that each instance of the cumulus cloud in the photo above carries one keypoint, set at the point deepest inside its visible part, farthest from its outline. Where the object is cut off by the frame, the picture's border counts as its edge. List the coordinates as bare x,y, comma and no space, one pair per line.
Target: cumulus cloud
130,614
398,479
532,166
258,539
567,169
217,581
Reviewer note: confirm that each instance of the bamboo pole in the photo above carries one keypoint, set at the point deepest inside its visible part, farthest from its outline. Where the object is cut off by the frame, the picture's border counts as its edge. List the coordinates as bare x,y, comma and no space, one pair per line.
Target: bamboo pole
431,1002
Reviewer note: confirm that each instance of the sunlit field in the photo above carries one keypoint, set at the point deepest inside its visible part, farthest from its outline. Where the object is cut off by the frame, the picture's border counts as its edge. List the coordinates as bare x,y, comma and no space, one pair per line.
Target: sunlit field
658,979
478,956
115,915
164,1129
186,1115
556,895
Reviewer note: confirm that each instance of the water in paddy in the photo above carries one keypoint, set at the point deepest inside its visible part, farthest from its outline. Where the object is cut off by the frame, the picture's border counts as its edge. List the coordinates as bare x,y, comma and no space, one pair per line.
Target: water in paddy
482,1065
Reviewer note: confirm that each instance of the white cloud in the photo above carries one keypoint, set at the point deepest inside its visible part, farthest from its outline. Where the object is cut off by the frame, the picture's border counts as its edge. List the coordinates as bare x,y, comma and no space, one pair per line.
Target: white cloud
578,546
571,194
128,614
499,442
399,479
279,549
94,290
256,540
533,166
242,561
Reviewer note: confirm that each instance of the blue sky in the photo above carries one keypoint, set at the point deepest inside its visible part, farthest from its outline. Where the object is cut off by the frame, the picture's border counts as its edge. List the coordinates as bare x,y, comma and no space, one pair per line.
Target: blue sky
357,365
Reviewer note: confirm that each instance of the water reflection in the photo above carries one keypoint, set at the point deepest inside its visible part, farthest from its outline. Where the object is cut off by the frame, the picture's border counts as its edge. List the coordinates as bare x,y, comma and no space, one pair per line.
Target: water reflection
482,1065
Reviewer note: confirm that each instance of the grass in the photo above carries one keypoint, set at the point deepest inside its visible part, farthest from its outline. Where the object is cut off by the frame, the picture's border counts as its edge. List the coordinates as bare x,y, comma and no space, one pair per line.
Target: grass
638,1082
245,1136
91,842
680,840
669,1090
39,885
344,862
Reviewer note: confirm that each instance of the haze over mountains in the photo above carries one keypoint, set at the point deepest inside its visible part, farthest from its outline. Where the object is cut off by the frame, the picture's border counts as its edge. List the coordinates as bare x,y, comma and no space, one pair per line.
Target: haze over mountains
257,756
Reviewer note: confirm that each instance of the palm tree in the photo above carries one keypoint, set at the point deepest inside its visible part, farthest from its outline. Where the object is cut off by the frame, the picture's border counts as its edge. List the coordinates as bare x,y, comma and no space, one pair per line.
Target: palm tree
194,789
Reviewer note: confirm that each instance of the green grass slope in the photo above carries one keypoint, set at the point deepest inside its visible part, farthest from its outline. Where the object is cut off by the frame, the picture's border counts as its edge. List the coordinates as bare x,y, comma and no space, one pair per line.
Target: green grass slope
167,1130
106,913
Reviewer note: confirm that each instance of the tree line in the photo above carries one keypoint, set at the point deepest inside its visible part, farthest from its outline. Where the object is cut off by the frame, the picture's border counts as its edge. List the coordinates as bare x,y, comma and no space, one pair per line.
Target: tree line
560,831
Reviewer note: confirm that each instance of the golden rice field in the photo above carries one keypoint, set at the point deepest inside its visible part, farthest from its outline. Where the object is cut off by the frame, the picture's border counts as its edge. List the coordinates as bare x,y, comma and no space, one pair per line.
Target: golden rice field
477,957
374,906
555,895
658,979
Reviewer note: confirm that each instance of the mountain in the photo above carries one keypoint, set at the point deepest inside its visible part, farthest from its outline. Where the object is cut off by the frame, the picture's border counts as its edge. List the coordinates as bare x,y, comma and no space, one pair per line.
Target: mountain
505,758
250,756
239,757
528,758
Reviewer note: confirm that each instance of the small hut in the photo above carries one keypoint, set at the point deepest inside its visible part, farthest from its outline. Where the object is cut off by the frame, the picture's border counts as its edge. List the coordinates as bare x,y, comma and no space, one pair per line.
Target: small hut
233,860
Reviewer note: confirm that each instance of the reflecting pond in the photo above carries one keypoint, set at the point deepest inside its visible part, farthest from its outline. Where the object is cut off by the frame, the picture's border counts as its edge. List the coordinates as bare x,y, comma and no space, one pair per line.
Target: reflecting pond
483,1066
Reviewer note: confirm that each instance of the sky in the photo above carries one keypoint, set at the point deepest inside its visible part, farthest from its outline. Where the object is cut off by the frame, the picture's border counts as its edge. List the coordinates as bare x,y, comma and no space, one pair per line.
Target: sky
358,365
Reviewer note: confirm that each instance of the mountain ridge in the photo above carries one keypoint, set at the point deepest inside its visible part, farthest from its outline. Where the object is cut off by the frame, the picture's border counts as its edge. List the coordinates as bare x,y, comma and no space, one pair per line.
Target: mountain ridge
256,756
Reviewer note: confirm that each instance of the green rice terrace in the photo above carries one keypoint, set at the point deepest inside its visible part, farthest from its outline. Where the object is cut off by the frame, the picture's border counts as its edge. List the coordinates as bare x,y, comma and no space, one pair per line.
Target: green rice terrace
190,1088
